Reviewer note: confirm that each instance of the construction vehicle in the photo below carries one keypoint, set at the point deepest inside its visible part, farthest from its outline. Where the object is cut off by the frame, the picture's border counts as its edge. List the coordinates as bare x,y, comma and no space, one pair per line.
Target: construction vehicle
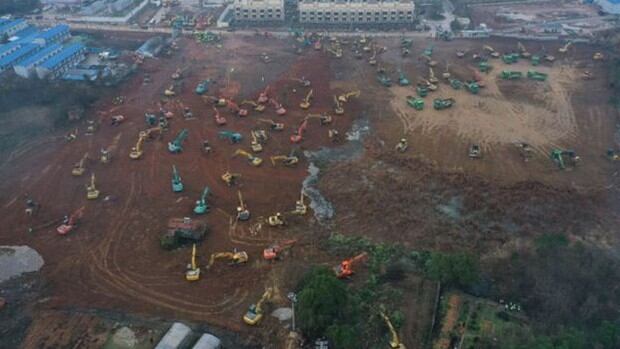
538,76
422,90
345,268
202,87
176,146
263,97
491,51
475,152
243,214
456,84
258,136
428,51
300,207
276,220
523,51
324,118
181,232
587,75
233,137
337,52
254,160
177,74
275,126
429,61
525,150
510,58
373,59
598,56
177,183
169,92
511,75
70,223
275,250
430,86
92,192
117,120
193,271
446,74
299,133
219,120
443,103
344,98
230,178
402,79
484,67
136,151
278,107
565,48
431,76
257,107
558,156
612,155
105,155
535,60
415,103
384,80
255,312
78,169
472,87
394,341
288,161
460,53
233,107
305,103
215,101
303,81
402,145
202,206
235,257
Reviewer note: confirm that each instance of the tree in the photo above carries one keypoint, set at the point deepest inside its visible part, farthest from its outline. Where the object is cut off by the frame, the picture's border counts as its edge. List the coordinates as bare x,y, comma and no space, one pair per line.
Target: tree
458,269
455,25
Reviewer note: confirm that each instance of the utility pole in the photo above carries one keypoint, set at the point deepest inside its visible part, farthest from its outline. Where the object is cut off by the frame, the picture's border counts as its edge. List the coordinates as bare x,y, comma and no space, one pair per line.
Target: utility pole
292,296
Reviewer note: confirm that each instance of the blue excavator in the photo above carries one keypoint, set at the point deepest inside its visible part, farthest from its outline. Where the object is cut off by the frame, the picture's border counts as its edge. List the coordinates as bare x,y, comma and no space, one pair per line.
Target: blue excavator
177,184
176,146
233,137
201,204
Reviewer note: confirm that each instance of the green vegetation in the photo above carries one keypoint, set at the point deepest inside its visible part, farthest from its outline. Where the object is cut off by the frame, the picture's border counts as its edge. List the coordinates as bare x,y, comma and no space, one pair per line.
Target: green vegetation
615,82
18,6
458,269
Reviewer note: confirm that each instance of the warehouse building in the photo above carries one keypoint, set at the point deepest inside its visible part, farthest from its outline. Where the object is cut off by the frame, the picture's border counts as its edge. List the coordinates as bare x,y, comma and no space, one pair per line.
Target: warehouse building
16,56
609,6
26,68
356,11
60,63
259,10
58,33
9,28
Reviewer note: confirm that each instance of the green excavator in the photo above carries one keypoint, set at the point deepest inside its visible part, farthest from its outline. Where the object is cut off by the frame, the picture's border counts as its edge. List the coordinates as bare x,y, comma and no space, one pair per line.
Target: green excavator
415,102
177,184
201,204
443,103
472,87
558,156
456,84
176,146
402,79
384,80
422,91
538,76
511,75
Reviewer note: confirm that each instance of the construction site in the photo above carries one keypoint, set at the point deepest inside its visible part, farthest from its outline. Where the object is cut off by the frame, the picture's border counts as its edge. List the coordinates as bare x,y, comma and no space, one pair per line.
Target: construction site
219,173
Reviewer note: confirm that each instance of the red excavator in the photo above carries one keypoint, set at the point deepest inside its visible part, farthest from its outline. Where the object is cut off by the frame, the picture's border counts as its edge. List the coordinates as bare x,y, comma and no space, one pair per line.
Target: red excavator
345,268
69,223
279,108
299,134
263,97
219,120
232,106
273,252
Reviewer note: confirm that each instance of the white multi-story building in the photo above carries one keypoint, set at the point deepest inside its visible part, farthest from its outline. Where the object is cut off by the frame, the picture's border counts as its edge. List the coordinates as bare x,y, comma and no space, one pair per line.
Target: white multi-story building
356,11
259,10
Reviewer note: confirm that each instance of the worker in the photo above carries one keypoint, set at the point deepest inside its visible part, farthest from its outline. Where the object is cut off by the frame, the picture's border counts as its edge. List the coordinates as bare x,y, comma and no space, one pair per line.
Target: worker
206,146
31,206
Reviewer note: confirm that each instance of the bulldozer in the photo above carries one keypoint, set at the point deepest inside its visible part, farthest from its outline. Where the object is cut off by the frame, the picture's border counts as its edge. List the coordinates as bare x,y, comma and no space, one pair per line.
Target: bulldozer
193,271
78,169
257,107
233,107
230,178
345,268
254,160
300,207
524,53
275,126
324,118
491,51
288,161
298,136
92,193
394,341
511,75
538,76
431,76
344,98
70,222
415,103
559,156
233,137
181,232
443,103
176,146
243,214
565,48
202,206
402,145
280,110
256,146
255,312
274,251
305,103
338,109
430,86
475,152
136,151
235,257
177,183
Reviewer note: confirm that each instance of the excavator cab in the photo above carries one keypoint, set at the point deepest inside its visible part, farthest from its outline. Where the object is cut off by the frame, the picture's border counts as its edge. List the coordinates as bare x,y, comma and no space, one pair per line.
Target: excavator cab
255,311
92,192
276,220
300,207
243,214
345,268
193,271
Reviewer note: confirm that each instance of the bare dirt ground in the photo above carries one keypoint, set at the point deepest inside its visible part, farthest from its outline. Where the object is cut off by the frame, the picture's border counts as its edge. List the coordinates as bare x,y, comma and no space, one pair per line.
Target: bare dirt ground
432,197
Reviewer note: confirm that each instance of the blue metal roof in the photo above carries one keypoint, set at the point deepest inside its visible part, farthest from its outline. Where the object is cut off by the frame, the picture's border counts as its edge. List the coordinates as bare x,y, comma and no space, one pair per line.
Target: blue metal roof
6,47
28,31
50,33
614,1
39,55
67,52
10,24
21,52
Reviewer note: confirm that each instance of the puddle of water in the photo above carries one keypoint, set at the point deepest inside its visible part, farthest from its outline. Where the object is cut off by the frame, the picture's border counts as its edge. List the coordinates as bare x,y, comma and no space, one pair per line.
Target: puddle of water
452,209
17,260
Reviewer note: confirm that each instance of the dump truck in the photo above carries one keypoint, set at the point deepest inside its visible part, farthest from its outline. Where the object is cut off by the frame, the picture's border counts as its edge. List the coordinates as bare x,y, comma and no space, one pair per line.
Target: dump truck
534,75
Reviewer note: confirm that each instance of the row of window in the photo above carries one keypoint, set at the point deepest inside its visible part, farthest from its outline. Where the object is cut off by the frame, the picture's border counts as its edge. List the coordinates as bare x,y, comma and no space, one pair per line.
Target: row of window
356,19
259,17
344,1
360,13
269,10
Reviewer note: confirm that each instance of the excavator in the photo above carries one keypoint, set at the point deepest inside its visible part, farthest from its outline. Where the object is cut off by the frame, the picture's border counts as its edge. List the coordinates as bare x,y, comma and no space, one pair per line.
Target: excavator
274,251
558,155
456,84
193,271
105,155
394,341
491,51
428,51
232,106
136,152
219,120
524,53
303,81
345,268
288,161
344,98
446,74
243,214
254,160
233,137
431,76
177,184
565,48
257,107
475,152
402,79
429,61
305,103
275,126
70,222
422,90
373,59
202,206
443,103
176,146
298,136
300,207
202,87
215,101
336,52
337,106
263,97
78,168
92,192
169,92
177,74
384,80
324,118
256,146
279,108
235,257
230,178
472,87
415,103
402,145
255,312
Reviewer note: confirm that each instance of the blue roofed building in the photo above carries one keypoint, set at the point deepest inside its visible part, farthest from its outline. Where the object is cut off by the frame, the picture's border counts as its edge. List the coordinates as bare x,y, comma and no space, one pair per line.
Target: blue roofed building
17,56
27,67
609,6
24,33
9,28
7,49
59,64
57,33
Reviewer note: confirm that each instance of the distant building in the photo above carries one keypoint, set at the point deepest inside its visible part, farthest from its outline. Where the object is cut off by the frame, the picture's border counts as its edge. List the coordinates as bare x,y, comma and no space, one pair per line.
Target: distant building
151,47
356,11
10,28
208,341
26,68
177,336
609,6
259,10
16,56
58,33
63,2
59,64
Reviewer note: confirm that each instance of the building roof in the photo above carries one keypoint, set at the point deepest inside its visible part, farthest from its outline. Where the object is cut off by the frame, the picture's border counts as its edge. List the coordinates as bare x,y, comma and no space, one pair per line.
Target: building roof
175,336
53,31
40,55
6,47
26,32
615,2
10,24
22,51
78,74
67,52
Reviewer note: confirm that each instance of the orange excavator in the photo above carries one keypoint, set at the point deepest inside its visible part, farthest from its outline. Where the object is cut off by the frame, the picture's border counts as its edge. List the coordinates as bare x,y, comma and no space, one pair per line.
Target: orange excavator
70,223
232,106
263,97
345,268
279,108
273,252
299,134
219,120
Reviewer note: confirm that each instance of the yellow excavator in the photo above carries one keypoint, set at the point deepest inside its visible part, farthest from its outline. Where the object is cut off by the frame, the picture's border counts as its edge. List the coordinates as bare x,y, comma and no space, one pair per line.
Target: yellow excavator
169,92
565,48
305,104
254,160
373,59
324,118
78,168
288,161
446,75
193,271
229,178
257,107
136,152
337,106
431,76
255,144
277,220
491,51
255,312
235,257
105,155
243,214
300,206
523,51
92,192
275,126
344,98
394,341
